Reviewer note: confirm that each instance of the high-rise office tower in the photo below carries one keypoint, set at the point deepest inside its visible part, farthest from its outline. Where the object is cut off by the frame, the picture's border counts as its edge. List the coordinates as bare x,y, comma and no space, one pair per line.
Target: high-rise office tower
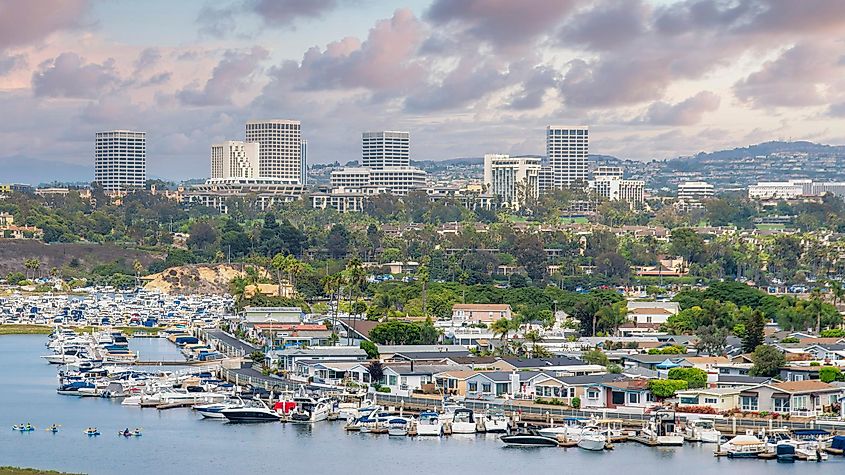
567,149
280,150
120,160
514,180
385,149
234,159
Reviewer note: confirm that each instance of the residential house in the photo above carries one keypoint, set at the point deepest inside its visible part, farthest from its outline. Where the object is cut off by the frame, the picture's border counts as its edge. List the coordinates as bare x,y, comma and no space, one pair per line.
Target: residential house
720,399
430,357
828,352
799,373
283,335
798,398
454,382
387,352
545,385
708,364
286,359
330,373
627,393
558,365
493,384
741,381
656,362
404,380
464,314
651,313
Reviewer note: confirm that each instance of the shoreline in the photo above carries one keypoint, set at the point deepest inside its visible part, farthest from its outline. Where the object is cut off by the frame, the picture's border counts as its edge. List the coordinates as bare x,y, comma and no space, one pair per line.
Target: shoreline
33,329
8,470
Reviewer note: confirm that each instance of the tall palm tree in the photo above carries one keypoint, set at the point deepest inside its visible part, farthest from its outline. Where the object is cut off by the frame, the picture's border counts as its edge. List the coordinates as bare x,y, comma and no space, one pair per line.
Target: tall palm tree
534,337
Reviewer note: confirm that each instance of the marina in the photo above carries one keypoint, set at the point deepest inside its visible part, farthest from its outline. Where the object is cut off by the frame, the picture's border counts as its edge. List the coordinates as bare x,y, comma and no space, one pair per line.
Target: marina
168,435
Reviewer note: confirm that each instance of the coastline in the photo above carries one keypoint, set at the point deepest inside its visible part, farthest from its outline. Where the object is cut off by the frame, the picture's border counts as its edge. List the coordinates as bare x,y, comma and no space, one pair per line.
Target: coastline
32,329
30,471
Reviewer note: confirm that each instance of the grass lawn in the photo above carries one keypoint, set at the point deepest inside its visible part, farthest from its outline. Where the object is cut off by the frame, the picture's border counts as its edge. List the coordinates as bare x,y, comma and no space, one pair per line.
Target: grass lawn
25,330
770,227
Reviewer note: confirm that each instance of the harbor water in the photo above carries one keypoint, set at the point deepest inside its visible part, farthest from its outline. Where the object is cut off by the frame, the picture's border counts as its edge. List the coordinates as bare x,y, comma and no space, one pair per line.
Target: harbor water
179,441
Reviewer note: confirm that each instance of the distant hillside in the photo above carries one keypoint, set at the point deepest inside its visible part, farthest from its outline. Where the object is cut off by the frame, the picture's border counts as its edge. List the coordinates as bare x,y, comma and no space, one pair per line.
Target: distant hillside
33,171
761,149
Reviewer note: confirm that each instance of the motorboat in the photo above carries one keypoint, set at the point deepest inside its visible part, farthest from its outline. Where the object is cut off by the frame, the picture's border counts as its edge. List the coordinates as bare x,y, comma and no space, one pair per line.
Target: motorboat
253,411
528,438
744,446
463,421
65,357
570,430
398,426
785,453
308,409
429,424
612,429
702,430
495,421
662,429
592,439
215,410
73,388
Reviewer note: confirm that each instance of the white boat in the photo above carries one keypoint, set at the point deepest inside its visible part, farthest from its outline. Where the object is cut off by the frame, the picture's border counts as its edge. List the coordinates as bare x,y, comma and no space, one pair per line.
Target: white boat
255,411
744,446
310,410
463,422
65,357
215,409
592,439
495,421
702,430
398,426
662,429
429,424
571,430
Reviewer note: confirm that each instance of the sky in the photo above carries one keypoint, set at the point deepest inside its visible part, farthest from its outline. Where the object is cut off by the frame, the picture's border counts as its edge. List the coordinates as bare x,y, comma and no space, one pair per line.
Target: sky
653,79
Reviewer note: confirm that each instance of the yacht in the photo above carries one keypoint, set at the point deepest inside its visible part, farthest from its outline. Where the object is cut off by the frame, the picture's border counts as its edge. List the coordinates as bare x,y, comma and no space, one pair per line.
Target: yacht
254,411
702,430
463,421
592,439
308,409
744,446
571,430
429,423
495,421
215,410
663,430
65,357
398,426
528,438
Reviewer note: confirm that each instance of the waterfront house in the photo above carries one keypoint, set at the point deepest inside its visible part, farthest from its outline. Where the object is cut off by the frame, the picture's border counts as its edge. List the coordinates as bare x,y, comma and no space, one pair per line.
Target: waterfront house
286,359
492,384
630,393
405,379
798,398
464,314
332,373
545,385
283,335
454,382
557,365
720,399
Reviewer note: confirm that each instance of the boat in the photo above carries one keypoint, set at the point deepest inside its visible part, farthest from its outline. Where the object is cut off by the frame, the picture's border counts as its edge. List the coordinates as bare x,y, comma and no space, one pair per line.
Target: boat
215,410
64,357
254,411
662,429
785,453
73,388
702,430
429,424
495,421
398,426
463,421
528,438
92,432
570,430
592,439
612,429
309,410
23,428
744,446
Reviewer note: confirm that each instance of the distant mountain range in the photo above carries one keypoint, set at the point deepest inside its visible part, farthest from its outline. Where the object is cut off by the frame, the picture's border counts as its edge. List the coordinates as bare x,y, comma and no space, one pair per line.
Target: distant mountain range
763,149
34,171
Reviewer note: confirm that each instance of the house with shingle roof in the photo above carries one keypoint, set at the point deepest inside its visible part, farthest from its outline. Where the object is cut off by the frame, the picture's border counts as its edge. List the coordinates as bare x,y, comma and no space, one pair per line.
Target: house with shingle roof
797,398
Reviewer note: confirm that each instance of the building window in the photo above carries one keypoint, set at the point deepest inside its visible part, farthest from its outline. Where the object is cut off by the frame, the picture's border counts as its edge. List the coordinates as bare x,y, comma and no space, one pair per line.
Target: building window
801,402
485,388
781,404
711,400
749,403
689,399
592,394
633,398
473,387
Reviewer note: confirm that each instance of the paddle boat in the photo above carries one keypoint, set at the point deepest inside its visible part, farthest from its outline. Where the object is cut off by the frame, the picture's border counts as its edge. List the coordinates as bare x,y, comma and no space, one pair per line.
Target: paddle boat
53,428
127,433
92,432
23,428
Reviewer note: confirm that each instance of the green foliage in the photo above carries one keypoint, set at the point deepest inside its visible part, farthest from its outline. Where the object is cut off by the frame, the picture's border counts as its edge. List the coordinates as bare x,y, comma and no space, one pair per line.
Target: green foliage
370,348
576,403
397,332
767,361
595,357
668,350
790,339
695,378
833,333
663,388
829,374
754,324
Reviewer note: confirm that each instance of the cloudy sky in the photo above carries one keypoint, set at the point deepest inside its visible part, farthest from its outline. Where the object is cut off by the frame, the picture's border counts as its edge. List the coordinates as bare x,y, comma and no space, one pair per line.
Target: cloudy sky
652,78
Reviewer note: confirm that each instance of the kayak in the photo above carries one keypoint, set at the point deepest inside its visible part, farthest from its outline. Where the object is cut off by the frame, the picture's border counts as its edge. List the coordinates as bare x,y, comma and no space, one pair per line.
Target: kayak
131,434
23,429
91,434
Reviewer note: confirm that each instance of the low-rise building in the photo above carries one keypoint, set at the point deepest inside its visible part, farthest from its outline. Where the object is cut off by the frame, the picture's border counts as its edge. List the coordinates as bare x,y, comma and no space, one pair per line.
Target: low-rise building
469,314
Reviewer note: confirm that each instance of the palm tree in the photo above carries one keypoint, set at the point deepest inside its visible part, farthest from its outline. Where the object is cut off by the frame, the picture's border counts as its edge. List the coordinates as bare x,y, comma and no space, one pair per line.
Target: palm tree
534,337
837,291
501,327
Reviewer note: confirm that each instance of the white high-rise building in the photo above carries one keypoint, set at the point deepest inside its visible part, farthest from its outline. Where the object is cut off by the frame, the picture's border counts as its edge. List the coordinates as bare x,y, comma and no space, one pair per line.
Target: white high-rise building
120,160
280,153
394,180
385,149
567,149
513,180
608,172
614,188
234,159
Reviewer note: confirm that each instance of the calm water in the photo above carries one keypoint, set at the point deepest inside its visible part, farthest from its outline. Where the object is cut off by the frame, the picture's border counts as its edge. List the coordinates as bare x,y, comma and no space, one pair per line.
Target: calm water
178,441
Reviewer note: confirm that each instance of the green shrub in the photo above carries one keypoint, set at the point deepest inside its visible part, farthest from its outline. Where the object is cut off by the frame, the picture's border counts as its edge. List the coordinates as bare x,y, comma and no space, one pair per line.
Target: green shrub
695,378
663,388
576,402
